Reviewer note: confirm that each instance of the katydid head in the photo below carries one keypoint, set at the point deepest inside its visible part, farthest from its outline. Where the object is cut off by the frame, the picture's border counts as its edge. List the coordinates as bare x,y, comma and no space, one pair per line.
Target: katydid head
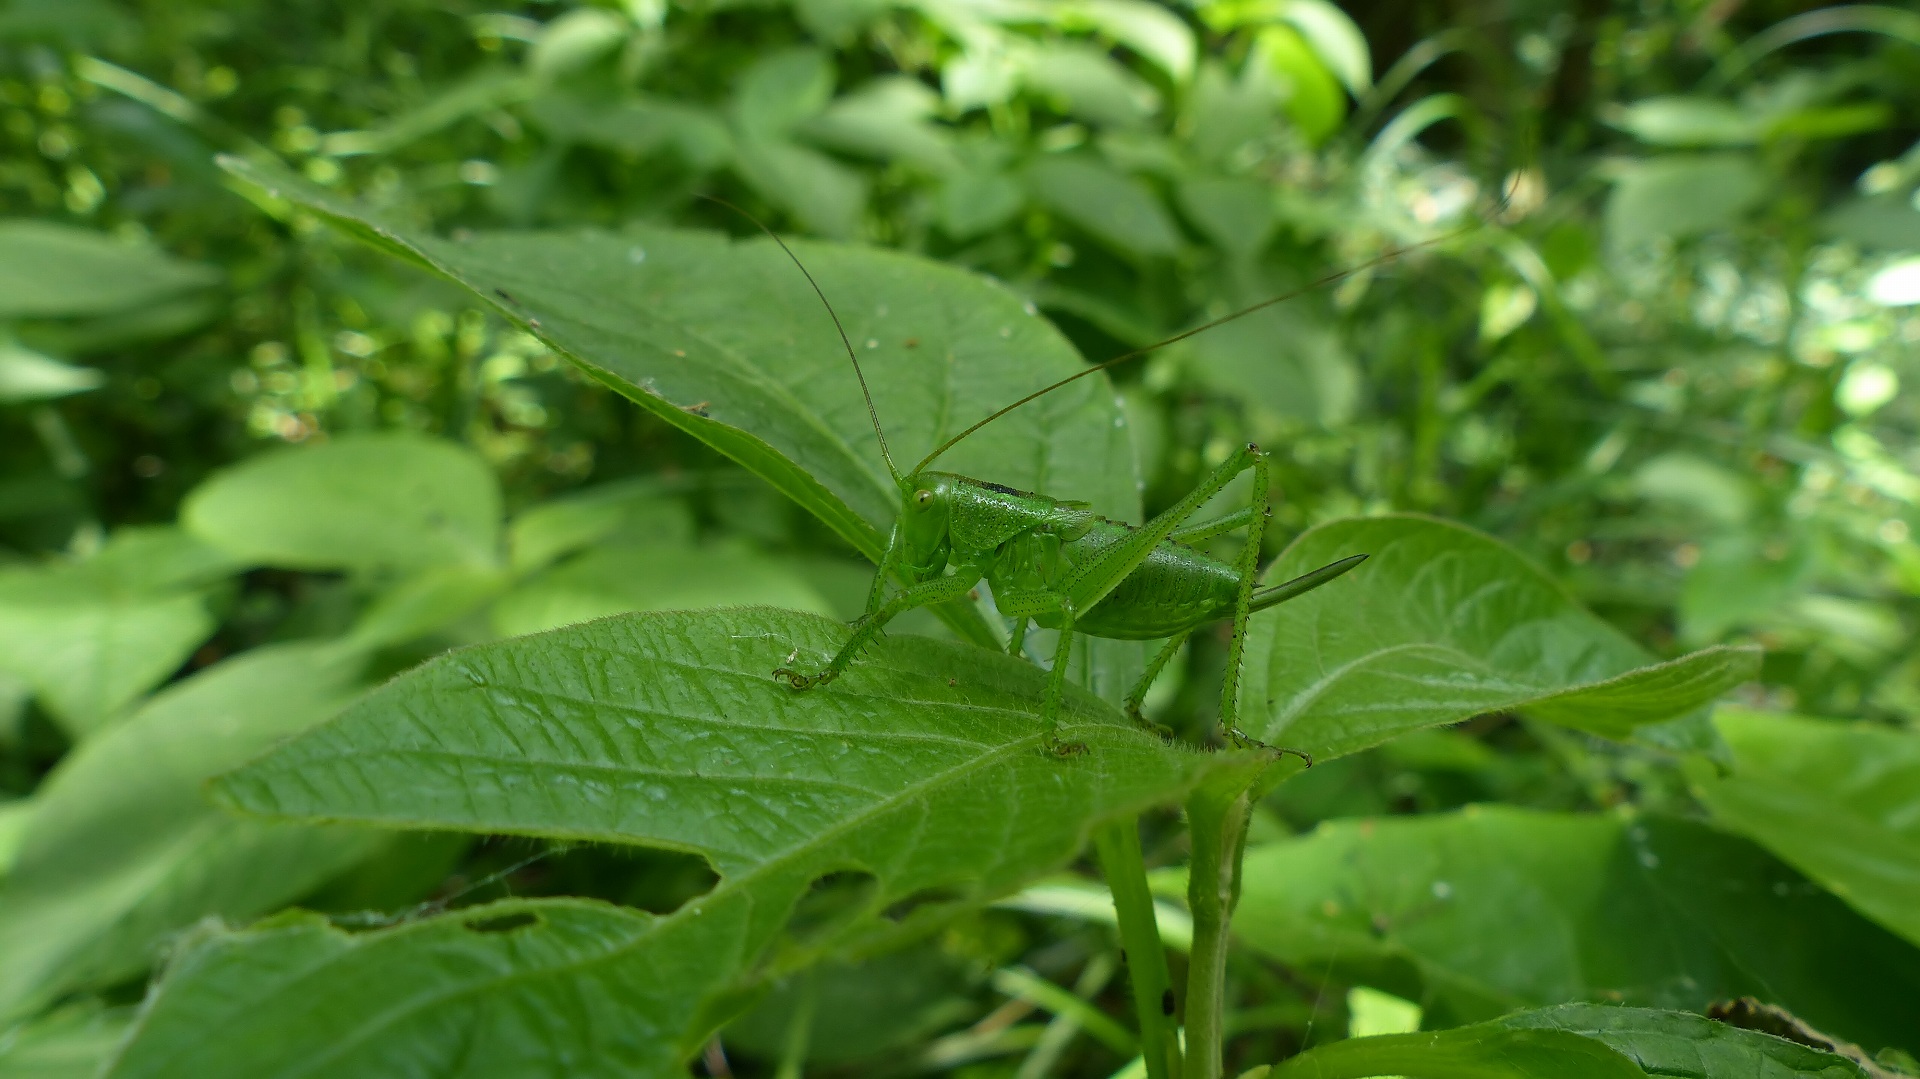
926,501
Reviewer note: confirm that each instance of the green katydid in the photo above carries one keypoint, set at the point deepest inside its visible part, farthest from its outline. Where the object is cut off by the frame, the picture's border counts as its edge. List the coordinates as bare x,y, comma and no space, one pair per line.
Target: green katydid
1055,564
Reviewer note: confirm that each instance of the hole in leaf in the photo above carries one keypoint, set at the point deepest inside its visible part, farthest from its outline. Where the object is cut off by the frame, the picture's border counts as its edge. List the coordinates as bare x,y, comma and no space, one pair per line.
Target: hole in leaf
834,900
505,923
919,903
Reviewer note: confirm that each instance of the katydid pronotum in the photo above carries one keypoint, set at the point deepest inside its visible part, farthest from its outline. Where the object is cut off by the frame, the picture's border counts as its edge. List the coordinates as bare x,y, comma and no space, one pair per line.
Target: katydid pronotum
1055,564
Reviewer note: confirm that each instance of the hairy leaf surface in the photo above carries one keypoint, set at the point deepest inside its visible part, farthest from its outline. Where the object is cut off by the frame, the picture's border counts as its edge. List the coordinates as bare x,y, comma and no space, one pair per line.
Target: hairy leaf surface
1484,1051
1496,908
915,782
1838,801
1689,1046
1443,623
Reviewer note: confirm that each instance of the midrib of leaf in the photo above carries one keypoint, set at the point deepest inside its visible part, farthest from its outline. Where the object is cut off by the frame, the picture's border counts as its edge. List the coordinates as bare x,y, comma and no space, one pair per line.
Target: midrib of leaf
737,366
1313,692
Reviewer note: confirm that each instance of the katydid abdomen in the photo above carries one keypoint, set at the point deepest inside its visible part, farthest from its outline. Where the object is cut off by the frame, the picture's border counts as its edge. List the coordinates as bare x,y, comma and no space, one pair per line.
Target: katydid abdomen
1174,589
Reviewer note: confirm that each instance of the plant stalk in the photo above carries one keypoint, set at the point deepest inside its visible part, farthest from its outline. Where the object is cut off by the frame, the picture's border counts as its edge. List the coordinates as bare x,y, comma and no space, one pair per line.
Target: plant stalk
1118,845
1217,816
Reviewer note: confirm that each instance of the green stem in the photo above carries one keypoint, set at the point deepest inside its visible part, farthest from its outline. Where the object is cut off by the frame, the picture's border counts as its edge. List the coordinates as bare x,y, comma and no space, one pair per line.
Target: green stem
1118,844
1217,815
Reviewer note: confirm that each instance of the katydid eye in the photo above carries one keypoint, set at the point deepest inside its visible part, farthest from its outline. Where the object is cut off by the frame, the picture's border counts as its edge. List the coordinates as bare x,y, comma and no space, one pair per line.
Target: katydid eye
923,498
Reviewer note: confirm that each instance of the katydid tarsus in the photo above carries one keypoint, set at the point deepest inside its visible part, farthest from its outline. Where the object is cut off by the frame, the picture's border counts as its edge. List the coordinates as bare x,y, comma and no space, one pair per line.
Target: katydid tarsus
1055,564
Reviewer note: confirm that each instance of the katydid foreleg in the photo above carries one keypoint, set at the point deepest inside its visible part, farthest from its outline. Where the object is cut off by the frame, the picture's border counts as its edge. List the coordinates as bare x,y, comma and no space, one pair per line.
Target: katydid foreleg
938,590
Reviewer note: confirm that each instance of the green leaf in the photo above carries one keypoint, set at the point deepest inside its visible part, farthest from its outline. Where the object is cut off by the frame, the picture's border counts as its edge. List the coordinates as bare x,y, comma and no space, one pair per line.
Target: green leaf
1084,82
1682,195
1149,29
1838,801
913,785
1335,39
676,320
641,127
780,90
635,511
888,118
978,201
1234,212
26,375
1309,94
574,40
1443,623
92,636
122,851
72,1043
362,501
1687,121
652,577
57,271
826,196
1493,908
1486,1051
1682,1044
1114,207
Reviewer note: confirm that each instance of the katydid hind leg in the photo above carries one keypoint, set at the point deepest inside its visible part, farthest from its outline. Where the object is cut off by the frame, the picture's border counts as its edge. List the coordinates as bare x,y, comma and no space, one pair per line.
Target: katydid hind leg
1246,566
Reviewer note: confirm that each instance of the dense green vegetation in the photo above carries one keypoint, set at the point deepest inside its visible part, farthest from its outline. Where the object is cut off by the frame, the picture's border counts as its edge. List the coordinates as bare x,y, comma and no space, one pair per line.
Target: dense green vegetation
409,482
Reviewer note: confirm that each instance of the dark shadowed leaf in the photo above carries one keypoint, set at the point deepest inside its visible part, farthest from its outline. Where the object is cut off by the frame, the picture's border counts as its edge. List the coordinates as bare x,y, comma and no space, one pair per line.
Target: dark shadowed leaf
1485,1051
1838,801
1442,623
1496,908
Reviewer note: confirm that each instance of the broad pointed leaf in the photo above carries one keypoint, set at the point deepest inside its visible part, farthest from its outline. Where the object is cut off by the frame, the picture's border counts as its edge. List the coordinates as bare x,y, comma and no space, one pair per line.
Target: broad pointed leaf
916,782
1683,1044
1496,908
364,501
1838,801
91,636
728,342
1443,623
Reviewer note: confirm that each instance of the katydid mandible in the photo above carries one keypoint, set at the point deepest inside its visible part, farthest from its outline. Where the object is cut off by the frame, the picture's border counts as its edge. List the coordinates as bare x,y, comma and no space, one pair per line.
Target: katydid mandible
1055,564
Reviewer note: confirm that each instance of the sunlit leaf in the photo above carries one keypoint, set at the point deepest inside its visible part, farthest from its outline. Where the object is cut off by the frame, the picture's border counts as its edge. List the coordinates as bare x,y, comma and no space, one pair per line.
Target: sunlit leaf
1442,623
659,315
914,783
363,501
72,1043
1681,195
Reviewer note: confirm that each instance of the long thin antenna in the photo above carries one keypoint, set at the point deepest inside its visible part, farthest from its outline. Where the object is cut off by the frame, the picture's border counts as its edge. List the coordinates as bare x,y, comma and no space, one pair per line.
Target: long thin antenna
1183,335
872,413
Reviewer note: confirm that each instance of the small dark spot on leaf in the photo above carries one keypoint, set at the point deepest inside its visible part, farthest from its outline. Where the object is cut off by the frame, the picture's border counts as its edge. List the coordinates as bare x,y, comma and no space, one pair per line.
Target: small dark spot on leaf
703,409
534,322
502,293
505,923
953,681
1166,1002
913,342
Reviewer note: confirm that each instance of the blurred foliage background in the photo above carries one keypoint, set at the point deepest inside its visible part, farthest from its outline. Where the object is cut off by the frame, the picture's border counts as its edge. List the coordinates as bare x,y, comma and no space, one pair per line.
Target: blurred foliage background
1667,297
